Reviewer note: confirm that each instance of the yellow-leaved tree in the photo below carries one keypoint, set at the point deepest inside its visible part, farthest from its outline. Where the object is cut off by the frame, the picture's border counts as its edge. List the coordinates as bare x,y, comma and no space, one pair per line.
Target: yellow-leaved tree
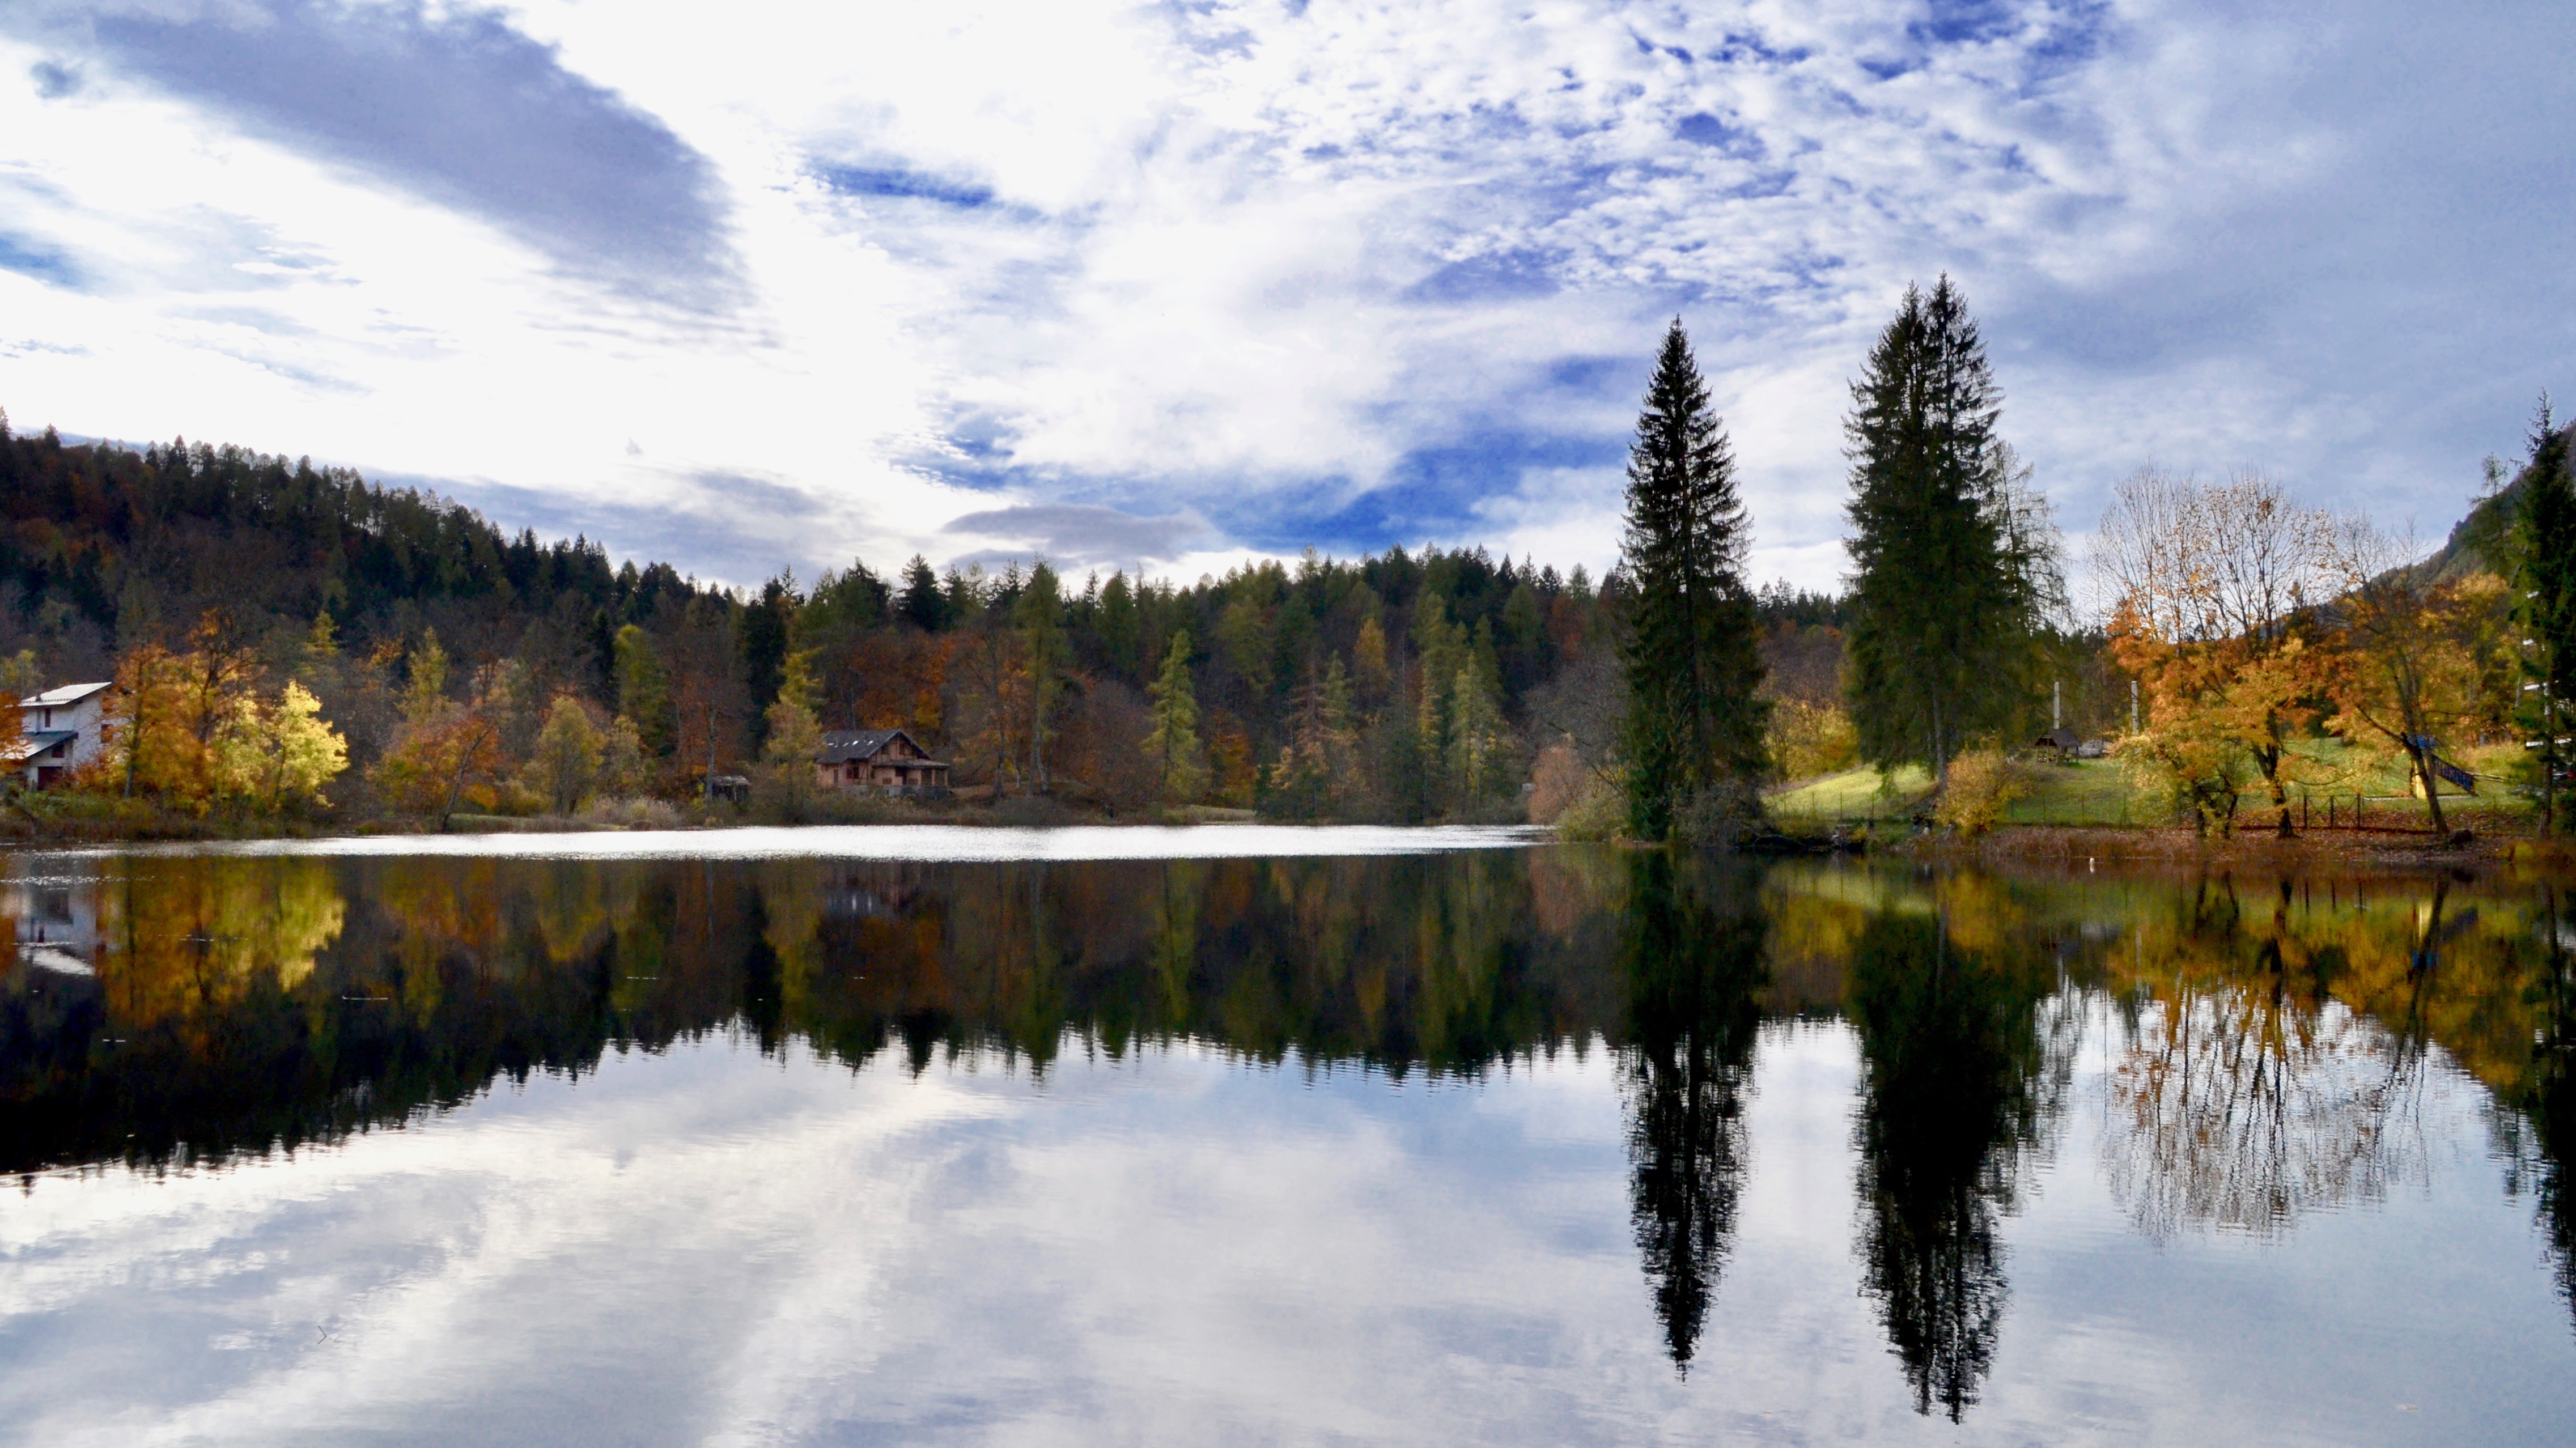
1172,746
193,732
2413,679
795,737
274,756
565,769
447,753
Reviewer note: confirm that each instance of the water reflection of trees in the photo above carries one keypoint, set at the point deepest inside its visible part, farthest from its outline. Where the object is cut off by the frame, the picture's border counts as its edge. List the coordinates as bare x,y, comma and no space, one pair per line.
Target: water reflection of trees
2278,1037
2269,1042
2536,1117
1964,1045
2246,1095
1694,962
250,1003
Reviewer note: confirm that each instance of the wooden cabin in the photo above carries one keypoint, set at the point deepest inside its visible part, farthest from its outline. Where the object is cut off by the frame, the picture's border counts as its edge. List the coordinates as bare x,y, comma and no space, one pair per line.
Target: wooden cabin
886,759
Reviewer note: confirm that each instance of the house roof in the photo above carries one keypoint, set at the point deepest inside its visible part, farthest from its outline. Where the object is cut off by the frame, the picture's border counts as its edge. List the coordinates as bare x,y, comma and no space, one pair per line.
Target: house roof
33,742
63,697
858,746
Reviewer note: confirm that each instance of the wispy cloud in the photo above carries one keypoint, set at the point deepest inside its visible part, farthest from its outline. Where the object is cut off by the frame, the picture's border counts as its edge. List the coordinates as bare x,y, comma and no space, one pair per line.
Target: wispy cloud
457,105
1338,273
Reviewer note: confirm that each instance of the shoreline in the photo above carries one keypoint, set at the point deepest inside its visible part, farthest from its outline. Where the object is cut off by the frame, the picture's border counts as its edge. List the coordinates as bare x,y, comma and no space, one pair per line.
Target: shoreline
2074,847
2077,846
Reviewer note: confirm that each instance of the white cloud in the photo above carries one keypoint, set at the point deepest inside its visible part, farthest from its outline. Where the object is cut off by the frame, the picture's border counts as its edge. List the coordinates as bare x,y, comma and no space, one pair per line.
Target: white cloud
1249,262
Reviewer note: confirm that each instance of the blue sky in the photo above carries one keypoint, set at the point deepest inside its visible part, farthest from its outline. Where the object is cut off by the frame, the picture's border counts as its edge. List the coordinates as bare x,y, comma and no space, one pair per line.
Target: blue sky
772,284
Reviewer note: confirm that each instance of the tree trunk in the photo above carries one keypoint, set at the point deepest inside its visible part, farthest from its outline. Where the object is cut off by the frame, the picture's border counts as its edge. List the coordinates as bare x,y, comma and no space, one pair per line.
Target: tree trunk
2423,762
134,730
2268,759
2548,761
709,795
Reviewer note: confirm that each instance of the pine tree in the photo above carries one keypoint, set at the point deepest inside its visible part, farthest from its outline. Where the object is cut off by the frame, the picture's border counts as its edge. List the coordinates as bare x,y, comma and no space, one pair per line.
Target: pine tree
426,691
1693,724
1040,616
644,689
2544,547
1479,741
1118,627
795,736
766,634
1179,763
922,604
1441,646
1953,564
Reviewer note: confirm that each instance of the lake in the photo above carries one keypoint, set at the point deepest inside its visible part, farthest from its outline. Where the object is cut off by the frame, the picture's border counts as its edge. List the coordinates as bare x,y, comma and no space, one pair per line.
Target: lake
1292,1136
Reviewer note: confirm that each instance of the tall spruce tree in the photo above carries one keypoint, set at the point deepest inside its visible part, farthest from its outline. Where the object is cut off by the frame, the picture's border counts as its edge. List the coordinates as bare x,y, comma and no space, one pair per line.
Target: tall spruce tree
1694,729
1953,564
921,602
2544,553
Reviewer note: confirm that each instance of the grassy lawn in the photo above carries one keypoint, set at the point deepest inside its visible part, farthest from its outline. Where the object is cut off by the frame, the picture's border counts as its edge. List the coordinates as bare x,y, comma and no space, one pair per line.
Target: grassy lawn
2096,792
1853,794
2090,792
2083,792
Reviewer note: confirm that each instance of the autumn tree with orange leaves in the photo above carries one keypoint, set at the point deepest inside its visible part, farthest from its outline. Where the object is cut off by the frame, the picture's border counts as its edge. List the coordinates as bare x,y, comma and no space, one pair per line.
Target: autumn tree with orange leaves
2212,590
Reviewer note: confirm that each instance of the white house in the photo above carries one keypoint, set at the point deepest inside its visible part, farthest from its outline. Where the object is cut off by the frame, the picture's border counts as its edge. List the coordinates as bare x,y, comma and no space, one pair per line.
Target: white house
59,730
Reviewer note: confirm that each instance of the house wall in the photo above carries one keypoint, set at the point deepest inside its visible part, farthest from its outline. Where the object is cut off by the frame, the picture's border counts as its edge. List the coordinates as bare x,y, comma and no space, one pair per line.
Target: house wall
892,768
87,718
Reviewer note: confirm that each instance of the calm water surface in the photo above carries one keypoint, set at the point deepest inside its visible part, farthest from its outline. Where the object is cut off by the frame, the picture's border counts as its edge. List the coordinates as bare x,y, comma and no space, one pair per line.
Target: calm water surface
1284,1137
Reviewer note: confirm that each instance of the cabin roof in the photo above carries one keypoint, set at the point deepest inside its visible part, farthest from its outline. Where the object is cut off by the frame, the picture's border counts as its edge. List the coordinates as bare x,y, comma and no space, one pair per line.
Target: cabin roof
62,697
857,746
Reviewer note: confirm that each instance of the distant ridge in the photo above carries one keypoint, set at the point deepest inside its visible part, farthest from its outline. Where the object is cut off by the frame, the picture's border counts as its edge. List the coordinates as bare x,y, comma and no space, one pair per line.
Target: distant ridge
2477,543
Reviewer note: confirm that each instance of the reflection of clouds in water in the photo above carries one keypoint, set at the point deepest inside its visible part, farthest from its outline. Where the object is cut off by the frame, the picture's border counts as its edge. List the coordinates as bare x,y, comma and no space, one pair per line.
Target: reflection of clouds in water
714,1249
606,1239
696,1243
703,1245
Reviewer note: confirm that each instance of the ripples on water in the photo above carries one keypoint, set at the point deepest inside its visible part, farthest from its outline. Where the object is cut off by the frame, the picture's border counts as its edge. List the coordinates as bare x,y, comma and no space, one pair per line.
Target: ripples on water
1313,1136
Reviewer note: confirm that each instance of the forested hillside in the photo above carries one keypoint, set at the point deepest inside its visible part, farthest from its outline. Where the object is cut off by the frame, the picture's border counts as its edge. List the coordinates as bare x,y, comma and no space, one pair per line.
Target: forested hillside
1400,686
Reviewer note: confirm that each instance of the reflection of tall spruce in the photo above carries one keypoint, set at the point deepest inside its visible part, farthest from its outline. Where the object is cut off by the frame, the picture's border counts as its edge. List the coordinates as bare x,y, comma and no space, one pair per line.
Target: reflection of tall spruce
1949,1045
1694,963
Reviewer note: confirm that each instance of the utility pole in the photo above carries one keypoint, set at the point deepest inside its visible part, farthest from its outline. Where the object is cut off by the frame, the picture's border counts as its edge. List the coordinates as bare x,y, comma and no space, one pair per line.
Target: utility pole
2056,705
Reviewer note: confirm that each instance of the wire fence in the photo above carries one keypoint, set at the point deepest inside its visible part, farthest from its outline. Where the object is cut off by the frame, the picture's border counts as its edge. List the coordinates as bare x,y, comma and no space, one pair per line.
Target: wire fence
2337,812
